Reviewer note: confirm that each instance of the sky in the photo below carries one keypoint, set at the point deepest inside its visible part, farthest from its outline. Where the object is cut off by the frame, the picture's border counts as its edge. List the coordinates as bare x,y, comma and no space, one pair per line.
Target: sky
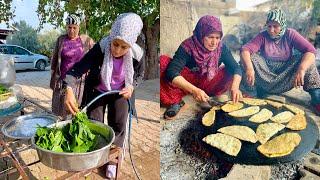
26,10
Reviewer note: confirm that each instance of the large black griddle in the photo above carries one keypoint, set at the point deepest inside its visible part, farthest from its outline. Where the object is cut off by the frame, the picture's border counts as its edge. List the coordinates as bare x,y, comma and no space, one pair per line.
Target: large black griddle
249,154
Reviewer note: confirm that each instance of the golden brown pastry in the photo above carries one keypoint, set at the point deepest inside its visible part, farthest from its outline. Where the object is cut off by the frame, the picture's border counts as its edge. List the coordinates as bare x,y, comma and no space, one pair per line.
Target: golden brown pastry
281,145
209,118
265,131
261,116
225,143
241,132
254,102
294,109
230,106
298,122
245,112
283,117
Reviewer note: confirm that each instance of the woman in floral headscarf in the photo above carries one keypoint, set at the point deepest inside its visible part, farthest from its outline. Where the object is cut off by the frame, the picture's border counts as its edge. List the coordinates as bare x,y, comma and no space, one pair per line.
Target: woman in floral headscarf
195,68
69,49
286,60
114,63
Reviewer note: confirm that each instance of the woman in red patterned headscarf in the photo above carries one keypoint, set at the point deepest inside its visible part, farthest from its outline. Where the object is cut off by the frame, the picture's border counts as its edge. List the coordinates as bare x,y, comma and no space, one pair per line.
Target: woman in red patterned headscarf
195,68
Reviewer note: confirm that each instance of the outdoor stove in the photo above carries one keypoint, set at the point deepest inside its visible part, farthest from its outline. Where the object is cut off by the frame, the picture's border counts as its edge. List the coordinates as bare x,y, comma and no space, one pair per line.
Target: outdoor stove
207,164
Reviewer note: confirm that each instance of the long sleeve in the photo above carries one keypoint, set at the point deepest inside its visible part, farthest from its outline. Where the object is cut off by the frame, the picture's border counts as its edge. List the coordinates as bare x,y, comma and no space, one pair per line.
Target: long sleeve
90,61
230,63
176,65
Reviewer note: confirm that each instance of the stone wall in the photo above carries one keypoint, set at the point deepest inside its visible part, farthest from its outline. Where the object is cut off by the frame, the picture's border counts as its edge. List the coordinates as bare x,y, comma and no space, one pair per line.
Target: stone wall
179,17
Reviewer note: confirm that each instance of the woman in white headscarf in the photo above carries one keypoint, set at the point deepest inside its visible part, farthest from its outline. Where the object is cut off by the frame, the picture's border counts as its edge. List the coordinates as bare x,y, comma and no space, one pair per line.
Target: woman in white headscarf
69,49
112,64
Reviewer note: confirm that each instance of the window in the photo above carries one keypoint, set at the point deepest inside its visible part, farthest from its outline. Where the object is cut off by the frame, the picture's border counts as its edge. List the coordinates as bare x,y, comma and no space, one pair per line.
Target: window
19,51
4,50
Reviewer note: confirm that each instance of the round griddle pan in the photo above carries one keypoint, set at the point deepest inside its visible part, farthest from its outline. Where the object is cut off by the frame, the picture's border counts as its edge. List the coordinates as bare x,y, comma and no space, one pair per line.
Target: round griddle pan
249,154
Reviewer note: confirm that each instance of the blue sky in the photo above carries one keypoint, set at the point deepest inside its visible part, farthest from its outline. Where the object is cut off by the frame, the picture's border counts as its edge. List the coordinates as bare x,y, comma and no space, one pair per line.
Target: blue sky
26,10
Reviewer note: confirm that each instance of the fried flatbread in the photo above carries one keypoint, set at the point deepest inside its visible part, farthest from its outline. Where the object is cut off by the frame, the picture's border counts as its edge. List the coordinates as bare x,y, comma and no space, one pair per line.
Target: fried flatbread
274,104
209,118
245,112
261,116
230,106
298,122
281,145
294,109
283,117
254,102
225,143
241,132
265,131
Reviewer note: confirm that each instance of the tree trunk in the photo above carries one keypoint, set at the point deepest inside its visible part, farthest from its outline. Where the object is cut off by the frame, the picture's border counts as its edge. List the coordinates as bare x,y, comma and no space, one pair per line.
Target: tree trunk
151,46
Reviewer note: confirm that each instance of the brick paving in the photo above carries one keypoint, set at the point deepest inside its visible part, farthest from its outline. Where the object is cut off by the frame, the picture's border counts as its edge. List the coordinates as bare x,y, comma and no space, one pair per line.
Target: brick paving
145,134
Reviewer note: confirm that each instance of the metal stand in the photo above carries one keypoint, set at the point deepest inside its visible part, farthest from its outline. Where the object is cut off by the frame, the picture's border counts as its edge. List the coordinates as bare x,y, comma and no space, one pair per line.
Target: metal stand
115,155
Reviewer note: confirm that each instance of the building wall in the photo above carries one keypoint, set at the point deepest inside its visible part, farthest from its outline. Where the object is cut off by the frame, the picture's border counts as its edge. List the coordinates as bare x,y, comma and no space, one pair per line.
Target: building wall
179,17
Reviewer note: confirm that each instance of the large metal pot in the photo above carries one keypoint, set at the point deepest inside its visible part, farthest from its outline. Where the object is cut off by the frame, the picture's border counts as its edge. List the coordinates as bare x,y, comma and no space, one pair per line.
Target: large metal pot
75,161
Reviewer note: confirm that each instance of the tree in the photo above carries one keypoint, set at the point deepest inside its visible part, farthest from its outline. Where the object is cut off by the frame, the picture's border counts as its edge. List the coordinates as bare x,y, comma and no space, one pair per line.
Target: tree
26,37
6,13
47,42
98,16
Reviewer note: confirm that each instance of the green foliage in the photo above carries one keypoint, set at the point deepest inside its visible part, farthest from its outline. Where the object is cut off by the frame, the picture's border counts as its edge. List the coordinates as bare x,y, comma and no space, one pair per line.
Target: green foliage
80,136
47,42
6,13
3,89
98,14
26,37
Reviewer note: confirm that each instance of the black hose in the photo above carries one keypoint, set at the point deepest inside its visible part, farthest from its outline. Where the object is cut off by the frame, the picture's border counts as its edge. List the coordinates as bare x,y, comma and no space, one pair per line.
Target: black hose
129,144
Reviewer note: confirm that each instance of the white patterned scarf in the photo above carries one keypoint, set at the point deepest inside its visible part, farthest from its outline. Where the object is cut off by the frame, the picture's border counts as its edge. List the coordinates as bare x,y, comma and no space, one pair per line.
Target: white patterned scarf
126,27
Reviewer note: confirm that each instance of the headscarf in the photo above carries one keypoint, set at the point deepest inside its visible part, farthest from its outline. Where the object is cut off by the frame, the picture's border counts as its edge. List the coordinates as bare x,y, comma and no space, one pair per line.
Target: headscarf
73,19
278,16
126,27
206,60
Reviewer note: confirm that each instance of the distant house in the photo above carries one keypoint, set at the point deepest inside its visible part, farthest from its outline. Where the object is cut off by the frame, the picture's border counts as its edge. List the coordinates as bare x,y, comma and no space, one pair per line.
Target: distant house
5,31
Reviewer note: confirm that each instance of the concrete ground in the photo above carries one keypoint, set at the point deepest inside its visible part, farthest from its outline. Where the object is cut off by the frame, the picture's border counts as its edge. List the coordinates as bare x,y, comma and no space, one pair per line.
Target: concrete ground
145,134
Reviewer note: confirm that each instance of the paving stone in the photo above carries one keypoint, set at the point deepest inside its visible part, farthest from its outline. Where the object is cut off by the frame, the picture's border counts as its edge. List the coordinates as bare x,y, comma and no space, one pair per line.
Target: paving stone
35,86
312,162
241,172
307,175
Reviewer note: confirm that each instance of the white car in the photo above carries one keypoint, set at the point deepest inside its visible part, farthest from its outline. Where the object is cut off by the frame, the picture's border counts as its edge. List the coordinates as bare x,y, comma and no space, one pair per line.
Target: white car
24,59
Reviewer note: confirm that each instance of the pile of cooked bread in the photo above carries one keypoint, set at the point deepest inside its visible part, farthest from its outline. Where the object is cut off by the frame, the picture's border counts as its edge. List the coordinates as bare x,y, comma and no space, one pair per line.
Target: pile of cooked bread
228,138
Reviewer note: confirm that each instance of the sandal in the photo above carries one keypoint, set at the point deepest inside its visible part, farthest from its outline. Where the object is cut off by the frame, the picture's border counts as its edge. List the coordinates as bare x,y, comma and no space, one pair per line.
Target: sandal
173,110
111,171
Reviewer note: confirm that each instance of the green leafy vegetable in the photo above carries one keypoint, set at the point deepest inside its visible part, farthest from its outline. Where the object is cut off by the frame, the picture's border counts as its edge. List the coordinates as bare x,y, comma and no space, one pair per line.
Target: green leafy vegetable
79,136
3,89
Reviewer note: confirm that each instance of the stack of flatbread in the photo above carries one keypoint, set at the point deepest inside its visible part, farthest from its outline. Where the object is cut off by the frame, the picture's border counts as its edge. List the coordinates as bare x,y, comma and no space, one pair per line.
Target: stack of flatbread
281,145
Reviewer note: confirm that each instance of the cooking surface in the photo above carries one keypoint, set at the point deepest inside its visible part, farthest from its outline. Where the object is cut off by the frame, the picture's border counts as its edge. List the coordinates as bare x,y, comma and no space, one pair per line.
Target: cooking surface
249,153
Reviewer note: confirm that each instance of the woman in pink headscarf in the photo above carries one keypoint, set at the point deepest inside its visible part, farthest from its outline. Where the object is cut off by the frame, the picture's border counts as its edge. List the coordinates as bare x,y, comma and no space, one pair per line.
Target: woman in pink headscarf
195,68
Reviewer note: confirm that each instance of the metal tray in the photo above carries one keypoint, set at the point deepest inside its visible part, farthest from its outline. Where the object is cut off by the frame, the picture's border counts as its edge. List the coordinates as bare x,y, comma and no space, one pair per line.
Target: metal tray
24,127
249,153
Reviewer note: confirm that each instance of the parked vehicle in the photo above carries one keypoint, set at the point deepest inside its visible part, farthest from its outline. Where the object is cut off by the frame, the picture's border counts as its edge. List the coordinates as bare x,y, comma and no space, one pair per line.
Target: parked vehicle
24,59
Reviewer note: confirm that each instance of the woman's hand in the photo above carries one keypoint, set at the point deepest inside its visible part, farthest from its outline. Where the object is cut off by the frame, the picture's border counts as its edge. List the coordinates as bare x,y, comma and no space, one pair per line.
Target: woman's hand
126,92
70,101
250,77
200,95
299,79
235,94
